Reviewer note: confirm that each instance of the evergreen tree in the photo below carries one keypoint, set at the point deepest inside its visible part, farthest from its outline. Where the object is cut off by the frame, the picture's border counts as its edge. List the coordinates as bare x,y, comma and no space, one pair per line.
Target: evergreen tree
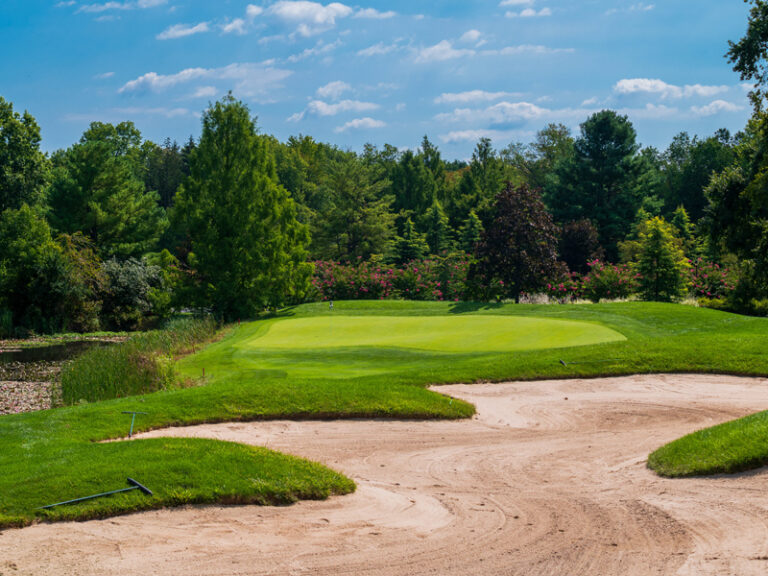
600,180
410,246
355,222
412,185
98,189
580,244
248,249
437,228
471,233
24,169
662,264
165,171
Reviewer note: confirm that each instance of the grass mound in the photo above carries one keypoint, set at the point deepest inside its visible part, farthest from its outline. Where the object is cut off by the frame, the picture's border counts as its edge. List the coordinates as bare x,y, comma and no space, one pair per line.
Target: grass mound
728,448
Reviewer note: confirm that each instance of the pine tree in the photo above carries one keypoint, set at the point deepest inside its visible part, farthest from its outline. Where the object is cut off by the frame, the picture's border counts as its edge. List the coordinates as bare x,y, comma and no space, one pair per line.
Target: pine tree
98,189
437,228
471,233
662,264
248,249
410,246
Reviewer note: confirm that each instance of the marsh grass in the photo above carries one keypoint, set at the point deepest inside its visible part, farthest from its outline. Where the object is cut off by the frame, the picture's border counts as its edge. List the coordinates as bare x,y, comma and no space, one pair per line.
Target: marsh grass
140,365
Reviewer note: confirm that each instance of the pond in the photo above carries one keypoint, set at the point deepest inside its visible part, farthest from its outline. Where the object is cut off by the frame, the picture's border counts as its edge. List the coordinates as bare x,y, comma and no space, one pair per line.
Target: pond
52,353
29,377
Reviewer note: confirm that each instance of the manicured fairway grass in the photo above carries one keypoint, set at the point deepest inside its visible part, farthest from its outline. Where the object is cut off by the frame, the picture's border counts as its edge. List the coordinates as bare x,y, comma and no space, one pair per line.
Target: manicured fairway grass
462,334
345,346
52,456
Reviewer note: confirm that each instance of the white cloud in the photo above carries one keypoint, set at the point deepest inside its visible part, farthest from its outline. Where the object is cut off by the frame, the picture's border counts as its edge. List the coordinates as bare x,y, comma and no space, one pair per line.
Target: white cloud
319,48
529,13
473,135
333,90
472,96
473,37
107,6
639,7
321,108
205,92
252,11
716,107
120,114
374,14
441,52
104,76
515,2
656,86
527,49
651,111
249,80
361,123
378,49
501,113
182,30
66,4
310,18
236,26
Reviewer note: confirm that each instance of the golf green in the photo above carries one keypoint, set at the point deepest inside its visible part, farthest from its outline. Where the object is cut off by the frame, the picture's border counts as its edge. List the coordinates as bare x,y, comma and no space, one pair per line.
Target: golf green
452,334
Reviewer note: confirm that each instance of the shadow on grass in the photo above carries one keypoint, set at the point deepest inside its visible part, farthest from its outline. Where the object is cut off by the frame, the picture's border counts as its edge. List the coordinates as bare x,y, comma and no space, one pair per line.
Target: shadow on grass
464,307
282,313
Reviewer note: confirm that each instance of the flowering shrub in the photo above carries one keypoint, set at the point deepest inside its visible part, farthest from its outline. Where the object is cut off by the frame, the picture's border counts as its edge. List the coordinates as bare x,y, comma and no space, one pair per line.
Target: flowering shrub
436,278
608,281
711,281
566,289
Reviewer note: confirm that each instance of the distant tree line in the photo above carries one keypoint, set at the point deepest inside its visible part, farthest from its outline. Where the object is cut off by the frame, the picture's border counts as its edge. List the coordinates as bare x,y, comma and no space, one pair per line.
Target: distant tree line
116,231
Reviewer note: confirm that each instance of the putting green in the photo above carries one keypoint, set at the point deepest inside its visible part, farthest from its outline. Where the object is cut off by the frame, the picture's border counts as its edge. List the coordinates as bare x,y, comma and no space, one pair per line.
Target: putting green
454,334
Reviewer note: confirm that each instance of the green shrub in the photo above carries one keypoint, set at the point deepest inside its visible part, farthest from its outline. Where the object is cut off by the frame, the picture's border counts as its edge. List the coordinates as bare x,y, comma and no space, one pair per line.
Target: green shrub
6,323
140,365
714,304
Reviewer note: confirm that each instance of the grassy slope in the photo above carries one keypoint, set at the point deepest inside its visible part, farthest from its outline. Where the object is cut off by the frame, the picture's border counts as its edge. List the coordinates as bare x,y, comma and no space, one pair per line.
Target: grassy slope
728,448
51,456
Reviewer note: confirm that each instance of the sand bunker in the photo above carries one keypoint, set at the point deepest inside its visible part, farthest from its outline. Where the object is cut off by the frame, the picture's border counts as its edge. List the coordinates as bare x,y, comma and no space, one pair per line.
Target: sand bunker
549,478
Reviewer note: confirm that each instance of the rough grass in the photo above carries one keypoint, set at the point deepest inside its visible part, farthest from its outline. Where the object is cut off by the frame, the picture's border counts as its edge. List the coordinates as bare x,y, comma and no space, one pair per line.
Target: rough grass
55,455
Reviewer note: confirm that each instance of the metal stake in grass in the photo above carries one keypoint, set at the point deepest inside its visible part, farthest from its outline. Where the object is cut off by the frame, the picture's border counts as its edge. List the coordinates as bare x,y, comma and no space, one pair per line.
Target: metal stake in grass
134,486
564,363
133,419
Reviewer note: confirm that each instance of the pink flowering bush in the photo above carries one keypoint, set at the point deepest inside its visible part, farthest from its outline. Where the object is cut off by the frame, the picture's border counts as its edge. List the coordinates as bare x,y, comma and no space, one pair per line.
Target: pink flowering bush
565,289
710,280
435,278
608,281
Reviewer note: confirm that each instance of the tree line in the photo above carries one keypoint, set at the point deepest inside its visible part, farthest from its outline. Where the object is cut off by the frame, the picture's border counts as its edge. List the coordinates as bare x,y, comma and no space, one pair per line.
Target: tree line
116,231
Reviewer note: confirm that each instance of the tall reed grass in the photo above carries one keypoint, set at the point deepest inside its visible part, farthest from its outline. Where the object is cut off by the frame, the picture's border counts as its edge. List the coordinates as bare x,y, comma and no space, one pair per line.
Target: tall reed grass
140,365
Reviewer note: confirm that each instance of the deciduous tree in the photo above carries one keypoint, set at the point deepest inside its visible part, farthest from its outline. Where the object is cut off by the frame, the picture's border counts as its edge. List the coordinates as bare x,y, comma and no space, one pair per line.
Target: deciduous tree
518,249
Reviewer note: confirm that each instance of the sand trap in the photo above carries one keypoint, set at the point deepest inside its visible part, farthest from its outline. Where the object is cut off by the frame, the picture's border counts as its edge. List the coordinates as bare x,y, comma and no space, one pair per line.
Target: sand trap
535,484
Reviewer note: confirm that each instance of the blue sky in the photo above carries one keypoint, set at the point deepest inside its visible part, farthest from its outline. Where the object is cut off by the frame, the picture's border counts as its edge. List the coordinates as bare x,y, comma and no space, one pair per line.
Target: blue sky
375,71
